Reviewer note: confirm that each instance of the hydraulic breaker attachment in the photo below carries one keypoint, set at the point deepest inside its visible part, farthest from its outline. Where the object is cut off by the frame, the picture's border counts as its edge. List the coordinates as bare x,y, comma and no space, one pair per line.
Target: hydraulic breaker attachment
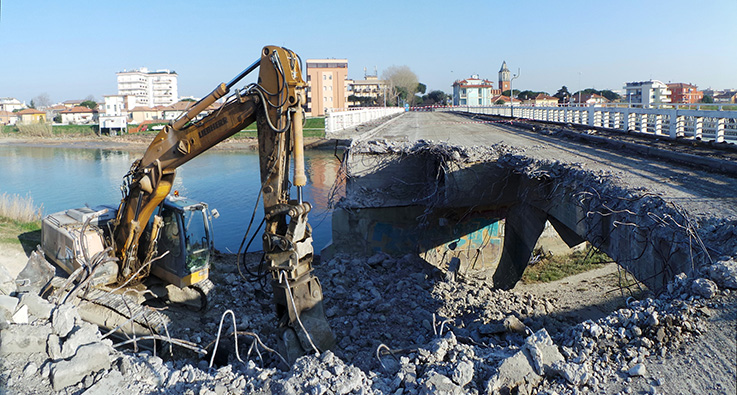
302,326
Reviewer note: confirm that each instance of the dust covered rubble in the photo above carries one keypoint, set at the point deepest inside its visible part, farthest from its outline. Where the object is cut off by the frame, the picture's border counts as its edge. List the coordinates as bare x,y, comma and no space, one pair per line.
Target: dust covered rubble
404,328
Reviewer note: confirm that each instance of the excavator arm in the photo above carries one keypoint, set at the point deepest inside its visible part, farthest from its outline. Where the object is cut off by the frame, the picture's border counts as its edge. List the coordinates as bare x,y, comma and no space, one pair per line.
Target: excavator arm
275,103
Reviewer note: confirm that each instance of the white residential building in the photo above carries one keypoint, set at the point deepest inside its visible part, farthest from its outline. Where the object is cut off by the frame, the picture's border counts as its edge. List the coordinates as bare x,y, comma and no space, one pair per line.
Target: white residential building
114,115
149,88
11,104
647,93
474,92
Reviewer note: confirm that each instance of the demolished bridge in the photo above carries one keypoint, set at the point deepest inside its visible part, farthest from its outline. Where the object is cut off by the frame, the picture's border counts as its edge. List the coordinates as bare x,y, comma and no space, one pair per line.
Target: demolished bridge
479,211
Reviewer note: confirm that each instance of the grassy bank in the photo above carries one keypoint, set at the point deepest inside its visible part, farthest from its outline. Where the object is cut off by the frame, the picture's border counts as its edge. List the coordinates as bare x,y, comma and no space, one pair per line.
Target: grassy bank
20,222
549,268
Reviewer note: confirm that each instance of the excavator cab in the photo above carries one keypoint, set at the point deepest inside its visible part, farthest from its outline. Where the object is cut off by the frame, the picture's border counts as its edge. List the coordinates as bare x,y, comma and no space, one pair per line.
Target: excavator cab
187,236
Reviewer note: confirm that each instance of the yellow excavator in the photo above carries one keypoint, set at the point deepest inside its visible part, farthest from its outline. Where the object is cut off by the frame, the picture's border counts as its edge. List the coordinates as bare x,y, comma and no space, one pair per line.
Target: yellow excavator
151,233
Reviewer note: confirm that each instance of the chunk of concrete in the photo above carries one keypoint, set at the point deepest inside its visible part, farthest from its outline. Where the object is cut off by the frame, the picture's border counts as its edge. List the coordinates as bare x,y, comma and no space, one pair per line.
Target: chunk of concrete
704,288
463,373
21,315
84,334
526,368
37,273
37,306
724,273
26,339
7,282
64,318
112,384
9,303
576,374
436,383
89,359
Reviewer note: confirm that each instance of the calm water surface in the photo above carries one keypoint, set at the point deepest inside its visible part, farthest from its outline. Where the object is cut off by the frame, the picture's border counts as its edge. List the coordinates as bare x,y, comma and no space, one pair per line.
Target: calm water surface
63,178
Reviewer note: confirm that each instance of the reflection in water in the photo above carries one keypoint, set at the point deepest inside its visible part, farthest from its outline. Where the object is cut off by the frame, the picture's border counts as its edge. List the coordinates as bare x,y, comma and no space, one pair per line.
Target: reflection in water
63,178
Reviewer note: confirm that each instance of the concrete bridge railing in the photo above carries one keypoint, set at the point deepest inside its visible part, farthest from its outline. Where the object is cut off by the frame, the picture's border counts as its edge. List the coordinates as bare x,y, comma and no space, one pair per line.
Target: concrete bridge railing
720,126
339,120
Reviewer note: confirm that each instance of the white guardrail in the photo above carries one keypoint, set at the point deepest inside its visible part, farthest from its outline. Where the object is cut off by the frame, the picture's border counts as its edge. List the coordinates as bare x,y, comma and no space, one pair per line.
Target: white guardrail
717,125
339,120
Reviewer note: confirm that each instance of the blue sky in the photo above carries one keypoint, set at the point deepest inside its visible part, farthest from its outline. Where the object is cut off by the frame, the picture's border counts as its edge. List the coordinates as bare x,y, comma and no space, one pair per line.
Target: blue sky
71,49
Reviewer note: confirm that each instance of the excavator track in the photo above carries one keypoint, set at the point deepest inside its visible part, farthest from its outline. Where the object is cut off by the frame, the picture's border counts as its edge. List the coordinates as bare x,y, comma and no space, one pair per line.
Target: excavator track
112,310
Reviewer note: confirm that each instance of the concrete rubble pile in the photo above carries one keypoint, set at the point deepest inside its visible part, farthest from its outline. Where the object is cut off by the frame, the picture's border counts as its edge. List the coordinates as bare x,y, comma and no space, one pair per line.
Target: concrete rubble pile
480,340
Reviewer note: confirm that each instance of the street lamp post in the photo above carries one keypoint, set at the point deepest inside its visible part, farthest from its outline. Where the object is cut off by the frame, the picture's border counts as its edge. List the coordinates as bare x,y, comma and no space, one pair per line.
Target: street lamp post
511,92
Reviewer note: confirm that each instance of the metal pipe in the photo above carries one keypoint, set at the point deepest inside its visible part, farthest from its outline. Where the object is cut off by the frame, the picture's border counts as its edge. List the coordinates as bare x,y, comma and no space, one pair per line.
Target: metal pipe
243,73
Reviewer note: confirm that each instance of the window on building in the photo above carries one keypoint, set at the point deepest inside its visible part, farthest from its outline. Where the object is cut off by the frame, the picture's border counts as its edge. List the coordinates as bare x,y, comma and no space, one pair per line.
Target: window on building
479,101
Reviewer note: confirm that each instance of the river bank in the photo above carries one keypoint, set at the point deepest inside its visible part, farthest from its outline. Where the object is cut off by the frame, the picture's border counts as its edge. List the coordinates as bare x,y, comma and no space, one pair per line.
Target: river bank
133,142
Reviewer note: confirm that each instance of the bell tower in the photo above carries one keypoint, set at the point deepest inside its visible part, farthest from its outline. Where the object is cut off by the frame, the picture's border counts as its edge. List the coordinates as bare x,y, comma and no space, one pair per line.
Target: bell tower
504,78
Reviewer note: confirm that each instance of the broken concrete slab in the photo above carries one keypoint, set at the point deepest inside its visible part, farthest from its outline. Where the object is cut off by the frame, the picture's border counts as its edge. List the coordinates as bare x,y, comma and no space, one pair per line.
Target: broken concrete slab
37,306
21,315
88,359
9,303
26,339
436,383
7,282
527,367
64,318
81,335
37,273
111,384
724,273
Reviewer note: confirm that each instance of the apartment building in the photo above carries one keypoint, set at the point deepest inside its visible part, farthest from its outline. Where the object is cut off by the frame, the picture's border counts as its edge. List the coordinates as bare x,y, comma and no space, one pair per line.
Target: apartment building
684,93
647,93
327,83
149,88
370,91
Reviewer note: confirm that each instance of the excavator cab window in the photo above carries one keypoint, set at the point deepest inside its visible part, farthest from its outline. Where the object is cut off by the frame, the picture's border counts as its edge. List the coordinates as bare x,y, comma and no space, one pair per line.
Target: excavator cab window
197,237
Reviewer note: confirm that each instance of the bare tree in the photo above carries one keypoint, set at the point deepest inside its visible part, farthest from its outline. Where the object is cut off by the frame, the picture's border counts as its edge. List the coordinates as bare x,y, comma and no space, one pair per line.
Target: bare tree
41,101
402,81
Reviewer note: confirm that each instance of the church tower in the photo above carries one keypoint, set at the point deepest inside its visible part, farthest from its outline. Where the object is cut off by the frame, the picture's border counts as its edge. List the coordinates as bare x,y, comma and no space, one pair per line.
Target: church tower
504,78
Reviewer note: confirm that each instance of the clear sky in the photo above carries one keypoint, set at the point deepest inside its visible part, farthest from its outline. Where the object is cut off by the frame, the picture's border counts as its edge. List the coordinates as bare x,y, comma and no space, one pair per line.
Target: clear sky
71,49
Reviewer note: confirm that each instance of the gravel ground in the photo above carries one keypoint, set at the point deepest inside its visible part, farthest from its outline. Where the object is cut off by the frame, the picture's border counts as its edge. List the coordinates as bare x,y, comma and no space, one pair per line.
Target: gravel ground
431,333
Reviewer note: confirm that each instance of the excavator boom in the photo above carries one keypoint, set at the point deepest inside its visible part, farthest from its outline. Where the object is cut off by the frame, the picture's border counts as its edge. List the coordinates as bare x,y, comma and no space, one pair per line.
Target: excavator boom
275,104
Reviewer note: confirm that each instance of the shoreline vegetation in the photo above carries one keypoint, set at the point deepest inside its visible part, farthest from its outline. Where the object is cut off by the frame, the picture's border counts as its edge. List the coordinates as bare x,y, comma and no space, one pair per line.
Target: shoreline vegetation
88,136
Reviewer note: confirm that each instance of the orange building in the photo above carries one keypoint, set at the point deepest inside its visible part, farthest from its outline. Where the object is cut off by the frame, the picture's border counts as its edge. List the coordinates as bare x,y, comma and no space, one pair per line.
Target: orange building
326,85
684,93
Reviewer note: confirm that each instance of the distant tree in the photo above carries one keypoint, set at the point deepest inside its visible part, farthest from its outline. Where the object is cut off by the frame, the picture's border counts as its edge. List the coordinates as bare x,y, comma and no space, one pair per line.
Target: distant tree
609,95
563,95
500,101
32,105
57,118
707,99
421,88
403,83
436,97
527,95
41,101
188,99
90,98
506,93
91,104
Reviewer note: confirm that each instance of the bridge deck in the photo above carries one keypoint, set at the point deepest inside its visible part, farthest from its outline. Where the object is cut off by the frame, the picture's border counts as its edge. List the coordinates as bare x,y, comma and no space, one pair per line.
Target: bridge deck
701,193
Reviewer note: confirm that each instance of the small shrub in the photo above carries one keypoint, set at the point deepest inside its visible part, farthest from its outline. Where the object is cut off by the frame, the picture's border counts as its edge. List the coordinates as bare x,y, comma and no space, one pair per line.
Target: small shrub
18,208
35,129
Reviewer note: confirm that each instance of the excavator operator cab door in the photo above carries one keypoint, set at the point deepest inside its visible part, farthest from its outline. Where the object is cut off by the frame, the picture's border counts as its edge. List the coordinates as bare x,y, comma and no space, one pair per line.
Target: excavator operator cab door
187,235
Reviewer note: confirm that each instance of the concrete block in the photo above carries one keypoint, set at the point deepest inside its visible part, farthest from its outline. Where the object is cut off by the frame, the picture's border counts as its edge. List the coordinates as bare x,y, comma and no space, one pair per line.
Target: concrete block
89,359
21,316
7,282
26,339
436,383
84,334
37,306
64,318
112,384
9,303
526,368
37,273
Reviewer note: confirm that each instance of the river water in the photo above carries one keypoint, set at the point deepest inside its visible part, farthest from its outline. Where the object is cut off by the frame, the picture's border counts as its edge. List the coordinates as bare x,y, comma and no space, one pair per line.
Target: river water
63,178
